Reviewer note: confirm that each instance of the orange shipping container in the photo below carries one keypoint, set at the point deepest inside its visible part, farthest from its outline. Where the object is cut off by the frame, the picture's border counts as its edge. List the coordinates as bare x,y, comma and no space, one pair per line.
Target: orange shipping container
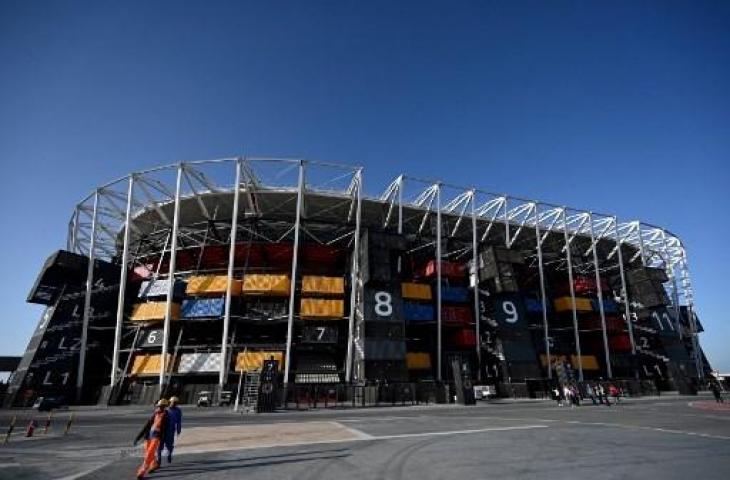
321,308
416,291
312,284
211,285
149,364
418,360
264,284
589,362
253,361
153,311
564,304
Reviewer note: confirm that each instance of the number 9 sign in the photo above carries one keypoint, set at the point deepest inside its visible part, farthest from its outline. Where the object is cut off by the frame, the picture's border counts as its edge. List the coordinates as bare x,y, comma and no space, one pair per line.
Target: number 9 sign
508,311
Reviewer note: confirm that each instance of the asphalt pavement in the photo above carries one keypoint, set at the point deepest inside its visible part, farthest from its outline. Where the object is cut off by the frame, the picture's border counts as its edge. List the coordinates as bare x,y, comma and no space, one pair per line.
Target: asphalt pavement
666,437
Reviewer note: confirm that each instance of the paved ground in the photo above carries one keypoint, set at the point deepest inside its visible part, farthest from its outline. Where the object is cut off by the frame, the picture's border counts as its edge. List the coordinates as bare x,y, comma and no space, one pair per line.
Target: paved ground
668,437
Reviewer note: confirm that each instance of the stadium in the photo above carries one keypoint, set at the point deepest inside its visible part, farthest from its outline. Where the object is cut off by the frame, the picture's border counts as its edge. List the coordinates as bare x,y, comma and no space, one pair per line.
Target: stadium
190,277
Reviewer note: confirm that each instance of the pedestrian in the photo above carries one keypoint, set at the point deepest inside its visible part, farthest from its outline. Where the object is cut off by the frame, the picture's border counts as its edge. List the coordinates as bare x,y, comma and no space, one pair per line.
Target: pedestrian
592,393
613,391
600,394
568,395
717,391
174,426
575,395
153,432
556,396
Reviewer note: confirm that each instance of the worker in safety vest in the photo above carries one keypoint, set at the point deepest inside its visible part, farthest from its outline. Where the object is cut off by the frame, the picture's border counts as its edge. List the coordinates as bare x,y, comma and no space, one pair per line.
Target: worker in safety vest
174,426
153,431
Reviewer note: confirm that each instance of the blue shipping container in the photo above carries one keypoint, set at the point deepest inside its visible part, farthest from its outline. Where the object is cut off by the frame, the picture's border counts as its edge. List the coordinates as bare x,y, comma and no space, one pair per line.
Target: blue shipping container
416,312
609,306
202,307
454,294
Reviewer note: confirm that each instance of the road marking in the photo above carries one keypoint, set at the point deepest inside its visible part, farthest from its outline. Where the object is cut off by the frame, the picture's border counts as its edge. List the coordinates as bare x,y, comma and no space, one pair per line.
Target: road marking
652,429
457,432
357,436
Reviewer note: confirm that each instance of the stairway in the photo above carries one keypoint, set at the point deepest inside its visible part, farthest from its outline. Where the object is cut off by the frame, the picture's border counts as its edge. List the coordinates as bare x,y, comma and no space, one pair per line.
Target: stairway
251,386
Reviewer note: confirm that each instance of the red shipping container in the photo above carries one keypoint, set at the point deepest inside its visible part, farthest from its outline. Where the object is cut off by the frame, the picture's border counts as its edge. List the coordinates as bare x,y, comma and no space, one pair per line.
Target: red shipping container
456,316
619,343
465,338
587,285
448,269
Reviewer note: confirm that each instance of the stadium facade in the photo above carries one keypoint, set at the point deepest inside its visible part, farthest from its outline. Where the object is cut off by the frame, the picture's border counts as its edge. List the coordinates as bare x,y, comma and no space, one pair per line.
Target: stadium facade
178,278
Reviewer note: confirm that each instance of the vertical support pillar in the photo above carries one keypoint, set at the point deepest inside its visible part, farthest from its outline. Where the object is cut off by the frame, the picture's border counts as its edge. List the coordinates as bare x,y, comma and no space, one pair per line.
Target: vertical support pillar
599,289
75,231
572,298
171,278
438,283
223,374
400,205
475,259
87,299
506,224
625,292
122,283
543,296
354,278
692,319
675,292
295,254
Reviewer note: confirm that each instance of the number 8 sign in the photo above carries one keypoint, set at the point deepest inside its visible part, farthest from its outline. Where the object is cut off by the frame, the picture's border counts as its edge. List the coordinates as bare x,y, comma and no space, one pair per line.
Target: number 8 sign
383,303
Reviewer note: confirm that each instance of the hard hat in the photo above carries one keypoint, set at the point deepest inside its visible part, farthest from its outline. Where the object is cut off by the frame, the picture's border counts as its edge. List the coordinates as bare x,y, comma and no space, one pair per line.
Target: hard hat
161,403
174,399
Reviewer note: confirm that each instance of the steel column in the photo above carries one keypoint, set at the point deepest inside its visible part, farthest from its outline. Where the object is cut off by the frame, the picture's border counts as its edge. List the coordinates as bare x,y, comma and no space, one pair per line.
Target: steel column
171,279
223,374
354,278
75,231
572,298
693,320
599,289
87,300
475,259
290,322
675,292
543,296
625,294
438,282
122,282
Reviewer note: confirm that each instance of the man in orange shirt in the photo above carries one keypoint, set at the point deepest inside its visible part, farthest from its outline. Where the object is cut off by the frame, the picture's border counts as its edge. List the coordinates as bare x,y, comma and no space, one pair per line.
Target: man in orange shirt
153,432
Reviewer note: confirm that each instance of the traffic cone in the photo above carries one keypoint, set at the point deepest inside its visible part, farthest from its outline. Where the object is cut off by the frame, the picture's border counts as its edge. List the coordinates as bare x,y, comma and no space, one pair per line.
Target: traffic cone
31,428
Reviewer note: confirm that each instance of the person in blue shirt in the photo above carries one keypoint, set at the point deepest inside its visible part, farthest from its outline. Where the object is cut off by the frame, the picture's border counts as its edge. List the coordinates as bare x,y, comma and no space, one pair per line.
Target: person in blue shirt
174,426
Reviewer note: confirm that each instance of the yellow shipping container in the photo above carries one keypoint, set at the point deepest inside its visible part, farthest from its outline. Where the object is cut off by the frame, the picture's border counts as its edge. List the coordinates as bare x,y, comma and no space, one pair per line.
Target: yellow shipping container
563,304
151,311
553,358
313,284
211,285
589,362
321,308
418,360
252,361
149,364
417,291
264,284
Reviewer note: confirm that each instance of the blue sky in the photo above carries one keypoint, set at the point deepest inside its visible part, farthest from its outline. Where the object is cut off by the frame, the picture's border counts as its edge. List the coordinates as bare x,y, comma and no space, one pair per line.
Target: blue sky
618,107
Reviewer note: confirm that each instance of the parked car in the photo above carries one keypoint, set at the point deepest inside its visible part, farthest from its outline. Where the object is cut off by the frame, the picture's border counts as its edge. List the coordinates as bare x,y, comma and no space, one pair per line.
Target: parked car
204,398
484,392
